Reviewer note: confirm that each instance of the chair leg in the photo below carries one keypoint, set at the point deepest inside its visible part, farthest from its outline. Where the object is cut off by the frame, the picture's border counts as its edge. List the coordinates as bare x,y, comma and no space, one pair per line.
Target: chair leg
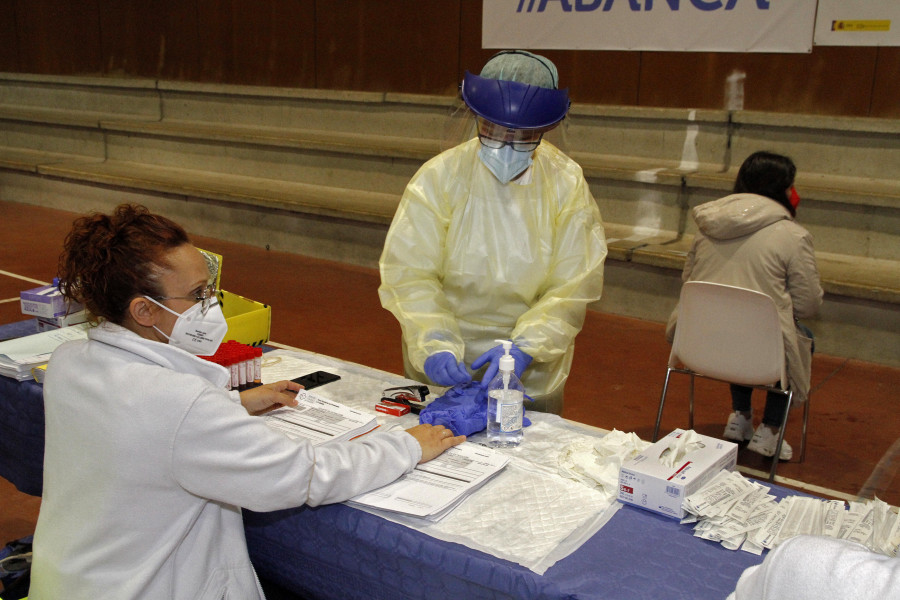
784,421
803,436
662,401
691,405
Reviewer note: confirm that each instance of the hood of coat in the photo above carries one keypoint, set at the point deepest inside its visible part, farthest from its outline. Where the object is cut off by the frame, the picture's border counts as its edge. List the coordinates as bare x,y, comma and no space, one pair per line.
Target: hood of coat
159,353
737,215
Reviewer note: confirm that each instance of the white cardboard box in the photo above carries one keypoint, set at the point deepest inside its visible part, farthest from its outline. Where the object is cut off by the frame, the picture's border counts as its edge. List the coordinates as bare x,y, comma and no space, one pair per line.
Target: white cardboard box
45,324
647,483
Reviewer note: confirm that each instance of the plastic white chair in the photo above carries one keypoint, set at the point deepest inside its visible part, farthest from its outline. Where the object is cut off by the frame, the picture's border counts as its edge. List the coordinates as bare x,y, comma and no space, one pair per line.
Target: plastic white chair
730,334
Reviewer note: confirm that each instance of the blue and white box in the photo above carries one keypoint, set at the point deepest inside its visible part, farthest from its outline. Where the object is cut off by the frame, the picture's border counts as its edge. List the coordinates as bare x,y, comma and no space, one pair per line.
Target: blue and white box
46,302
648,483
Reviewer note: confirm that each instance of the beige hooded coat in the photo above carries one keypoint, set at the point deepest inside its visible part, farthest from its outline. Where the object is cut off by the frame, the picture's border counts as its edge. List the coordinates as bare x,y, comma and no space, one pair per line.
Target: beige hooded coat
751,241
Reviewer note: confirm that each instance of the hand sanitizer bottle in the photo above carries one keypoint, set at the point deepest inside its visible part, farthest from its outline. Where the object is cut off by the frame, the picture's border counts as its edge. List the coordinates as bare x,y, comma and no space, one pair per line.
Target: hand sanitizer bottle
505,402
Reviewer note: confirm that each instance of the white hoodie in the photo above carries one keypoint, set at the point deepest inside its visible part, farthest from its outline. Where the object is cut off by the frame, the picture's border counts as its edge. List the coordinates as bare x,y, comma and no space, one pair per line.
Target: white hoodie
809,567
147,462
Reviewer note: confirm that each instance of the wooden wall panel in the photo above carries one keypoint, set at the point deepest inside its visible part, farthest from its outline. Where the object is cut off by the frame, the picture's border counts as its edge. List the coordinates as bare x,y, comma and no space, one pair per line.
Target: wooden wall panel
157,39
409,46
600,77
886,89
402,45
248,42
57,36
9,57
830,80
471,55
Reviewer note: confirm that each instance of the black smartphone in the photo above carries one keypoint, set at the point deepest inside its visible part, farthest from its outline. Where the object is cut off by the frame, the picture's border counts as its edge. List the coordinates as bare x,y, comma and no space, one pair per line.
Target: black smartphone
315,379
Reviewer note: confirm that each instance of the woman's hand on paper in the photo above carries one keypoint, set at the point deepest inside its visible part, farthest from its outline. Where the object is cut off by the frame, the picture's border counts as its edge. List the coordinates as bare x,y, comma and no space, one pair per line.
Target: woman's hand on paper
434,439
268,397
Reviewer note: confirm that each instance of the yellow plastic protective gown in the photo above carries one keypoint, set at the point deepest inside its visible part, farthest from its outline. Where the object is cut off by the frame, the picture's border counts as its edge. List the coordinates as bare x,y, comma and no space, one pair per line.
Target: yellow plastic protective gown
469,260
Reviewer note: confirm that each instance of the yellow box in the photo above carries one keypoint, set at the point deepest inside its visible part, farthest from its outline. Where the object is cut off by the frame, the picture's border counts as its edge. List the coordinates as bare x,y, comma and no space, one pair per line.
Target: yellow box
249,321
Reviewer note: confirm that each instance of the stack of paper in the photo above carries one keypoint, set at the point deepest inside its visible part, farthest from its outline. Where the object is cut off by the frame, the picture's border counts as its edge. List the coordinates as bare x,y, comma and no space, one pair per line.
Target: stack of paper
320,420
18,356
435,488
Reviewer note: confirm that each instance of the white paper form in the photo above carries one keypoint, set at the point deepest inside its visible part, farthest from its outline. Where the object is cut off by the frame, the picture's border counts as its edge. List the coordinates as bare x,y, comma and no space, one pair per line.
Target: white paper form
432,489
19,355
320,420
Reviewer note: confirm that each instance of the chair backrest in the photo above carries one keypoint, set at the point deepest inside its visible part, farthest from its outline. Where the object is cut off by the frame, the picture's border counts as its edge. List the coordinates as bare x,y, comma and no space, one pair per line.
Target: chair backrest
729,333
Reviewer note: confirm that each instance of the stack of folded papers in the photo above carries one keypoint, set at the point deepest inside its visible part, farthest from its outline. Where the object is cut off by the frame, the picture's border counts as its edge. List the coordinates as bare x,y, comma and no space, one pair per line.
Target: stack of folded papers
433,489
19,356
320,420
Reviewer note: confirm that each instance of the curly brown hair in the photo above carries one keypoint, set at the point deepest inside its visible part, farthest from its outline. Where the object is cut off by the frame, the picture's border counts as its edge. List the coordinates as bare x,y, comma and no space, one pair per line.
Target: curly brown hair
109,259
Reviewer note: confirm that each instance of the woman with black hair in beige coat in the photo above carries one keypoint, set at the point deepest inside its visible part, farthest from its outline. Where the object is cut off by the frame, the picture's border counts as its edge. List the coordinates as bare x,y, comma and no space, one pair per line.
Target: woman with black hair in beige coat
750,239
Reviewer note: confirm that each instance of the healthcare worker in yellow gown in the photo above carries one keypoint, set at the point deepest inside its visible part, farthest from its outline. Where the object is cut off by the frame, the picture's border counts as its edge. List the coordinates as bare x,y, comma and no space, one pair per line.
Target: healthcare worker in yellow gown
497,238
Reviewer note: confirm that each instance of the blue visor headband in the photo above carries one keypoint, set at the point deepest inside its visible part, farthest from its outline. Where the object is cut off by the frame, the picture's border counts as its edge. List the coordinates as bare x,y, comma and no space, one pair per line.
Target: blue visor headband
513,104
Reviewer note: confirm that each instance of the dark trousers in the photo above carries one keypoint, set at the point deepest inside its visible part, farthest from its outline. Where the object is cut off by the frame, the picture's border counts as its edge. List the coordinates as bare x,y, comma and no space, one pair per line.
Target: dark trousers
776,404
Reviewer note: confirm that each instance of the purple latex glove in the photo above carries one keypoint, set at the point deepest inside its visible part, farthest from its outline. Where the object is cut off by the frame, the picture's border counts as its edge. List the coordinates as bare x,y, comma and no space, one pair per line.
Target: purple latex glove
462,409
443,369
493,356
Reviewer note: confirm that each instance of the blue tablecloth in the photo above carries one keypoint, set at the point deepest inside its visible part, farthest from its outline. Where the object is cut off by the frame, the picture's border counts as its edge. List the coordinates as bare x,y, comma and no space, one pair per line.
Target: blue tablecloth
343,553
340,552
21,423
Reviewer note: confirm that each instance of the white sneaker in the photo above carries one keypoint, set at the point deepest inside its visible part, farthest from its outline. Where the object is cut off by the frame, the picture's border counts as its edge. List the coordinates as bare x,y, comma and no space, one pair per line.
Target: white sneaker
739,428
764,442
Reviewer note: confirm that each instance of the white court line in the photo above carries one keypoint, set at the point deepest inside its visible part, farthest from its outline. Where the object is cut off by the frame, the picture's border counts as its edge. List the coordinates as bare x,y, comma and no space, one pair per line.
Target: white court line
23,278
5,300
761,475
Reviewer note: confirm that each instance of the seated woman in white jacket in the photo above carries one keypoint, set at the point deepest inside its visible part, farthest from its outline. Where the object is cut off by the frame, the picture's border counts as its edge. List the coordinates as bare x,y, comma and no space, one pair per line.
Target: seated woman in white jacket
148,458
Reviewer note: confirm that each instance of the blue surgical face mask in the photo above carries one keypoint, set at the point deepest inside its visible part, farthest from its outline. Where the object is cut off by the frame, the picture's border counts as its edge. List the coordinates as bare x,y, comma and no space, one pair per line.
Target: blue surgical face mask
505,163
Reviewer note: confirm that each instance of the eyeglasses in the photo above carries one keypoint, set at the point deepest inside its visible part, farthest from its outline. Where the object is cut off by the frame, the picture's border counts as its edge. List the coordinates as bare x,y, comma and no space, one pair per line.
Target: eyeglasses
496,136
204,296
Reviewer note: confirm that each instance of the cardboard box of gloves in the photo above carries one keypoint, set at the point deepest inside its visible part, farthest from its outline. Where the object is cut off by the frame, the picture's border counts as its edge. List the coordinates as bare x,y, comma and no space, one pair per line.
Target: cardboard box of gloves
660,477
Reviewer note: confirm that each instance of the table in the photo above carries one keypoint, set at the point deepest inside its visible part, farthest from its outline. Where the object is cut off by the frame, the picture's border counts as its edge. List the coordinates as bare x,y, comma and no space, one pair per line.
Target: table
21,423
337,551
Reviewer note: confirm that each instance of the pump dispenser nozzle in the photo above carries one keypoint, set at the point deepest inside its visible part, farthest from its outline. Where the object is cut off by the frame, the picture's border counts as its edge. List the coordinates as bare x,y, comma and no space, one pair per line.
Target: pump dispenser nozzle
507,362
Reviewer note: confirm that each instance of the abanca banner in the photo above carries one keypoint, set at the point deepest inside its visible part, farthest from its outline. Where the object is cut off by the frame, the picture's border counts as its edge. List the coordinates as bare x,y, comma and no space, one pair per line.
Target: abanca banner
667,25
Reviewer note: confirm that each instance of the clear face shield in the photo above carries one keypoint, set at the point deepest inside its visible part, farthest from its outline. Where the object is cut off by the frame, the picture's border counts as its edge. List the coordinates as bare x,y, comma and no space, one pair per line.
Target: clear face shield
496,136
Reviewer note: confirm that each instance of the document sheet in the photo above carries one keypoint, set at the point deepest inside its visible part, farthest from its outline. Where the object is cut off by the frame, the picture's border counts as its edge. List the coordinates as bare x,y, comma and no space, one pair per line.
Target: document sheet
433,489
18,356
320,420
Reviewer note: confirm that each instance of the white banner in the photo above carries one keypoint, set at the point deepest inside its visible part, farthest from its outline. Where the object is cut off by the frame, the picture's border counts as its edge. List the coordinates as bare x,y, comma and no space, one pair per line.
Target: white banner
858,23
674,25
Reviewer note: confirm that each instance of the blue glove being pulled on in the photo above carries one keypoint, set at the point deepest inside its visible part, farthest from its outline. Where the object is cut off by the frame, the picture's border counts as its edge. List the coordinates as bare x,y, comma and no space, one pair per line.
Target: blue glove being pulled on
443,369
493,356
462,410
